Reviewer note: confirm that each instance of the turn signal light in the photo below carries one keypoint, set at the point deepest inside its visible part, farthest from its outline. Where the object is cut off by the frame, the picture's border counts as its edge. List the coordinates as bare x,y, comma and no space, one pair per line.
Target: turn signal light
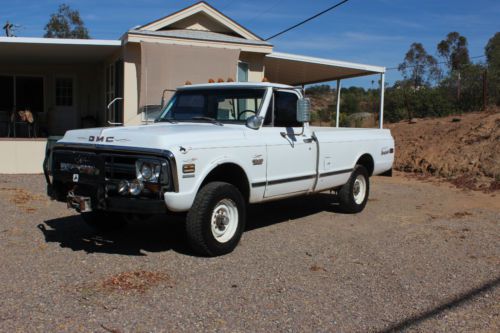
188,168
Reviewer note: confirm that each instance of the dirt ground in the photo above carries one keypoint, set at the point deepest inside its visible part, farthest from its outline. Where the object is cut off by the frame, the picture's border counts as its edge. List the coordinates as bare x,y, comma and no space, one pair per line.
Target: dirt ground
463,149
423,256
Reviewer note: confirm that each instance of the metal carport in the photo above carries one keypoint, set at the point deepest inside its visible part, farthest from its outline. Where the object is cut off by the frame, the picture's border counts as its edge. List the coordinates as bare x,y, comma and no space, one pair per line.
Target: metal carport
300,70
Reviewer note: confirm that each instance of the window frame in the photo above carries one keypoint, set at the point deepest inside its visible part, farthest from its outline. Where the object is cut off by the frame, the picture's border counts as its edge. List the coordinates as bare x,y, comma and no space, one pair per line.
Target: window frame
72,97
273,101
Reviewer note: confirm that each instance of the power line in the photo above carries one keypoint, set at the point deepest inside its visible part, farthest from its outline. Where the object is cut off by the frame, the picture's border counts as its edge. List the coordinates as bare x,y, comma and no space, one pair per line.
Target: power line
438,63
307,20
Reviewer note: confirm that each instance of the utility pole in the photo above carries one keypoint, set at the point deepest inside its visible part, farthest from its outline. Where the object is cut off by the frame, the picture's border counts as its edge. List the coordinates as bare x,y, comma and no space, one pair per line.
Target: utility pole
485,90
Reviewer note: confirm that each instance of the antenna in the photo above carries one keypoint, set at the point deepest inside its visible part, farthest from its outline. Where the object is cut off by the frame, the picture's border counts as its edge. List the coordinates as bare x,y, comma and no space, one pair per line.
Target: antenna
10,28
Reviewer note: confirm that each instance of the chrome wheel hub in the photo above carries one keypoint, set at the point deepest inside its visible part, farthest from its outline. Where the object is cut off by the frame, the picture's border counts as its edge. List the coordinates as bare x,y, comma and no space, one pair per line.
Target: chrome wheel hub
224,222
359,189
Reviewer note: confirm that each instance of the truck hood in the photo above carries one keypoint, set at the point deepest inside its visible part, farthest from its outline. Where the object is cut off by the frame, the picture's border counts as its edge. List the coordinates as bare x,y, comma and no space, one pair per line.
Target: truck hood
159,136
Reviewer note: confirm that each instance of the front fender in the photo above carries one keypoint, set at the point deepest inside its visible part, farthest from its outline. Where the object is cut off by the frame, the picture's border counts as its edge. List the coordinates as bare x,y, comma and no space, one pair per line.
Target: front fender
183,200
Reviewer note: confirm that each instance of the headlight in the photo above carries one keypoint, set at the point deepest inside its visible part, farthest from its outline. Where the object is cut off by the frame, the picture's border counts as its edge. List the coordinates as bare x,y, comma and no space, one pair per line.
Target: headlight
148,170
136,187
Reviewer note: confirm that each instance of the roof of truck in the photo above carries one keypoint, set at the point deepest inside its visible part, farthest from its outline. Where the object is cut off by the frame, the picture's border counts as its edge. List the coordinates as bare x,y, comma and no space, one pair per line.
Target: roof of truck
237,85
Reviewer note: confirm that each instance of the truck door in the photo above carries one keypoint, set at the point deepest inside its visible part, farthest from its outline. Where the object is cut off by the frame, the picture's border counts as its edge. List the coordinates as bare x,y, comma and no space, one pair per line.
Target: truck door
291,152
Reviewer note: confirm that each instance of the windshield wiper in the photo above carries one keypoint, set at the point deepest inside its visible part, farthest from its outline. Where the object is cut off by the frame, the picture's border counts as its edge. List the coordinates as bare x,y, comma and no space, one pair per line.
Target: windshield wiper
162,120
210,119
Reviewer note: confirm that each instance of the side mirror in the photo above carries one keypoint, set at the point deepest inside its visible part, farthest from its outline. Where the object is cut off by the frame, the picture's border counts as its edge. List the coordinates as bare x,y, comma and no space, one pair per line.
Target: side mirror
254,122
303,110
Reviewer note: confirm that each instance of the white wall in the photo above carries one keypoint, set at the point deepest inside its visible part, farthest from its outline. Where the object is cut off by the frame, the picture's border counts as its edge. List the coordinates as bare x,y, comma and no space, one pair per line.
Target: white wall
22,155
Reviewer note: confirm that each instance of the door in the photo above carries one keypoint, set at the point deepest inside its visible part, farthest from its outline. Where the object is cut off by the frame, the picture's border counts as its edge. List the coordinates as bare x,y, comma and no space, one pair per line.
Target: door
114,89
65,113
291,152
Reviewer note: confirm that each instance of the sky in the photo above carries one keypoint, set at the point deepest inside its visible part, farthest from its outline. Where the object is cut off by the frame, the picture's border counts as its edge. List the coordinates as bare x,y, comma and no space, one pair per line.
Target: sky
375,32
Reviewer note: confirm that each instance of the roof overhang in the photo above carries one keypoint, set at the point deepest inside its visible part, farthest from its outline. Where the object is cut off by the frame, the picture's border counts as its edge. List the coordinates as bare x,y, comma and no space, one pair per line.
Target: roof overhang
56,51
295,69
134,36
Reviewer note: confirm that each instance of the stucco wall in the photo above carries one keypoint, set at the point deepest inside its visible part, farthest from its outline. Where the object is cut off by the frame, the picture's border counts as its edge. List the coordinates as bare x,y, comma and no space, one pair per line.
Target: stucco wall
22,155
132,69
131,84
255,63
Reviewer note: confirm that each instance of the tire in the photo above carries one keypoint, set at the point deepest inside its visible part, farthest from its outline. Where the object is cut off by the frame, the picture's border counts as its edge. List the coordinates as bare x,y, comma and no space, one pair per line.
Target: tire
216,220
104,221
354,194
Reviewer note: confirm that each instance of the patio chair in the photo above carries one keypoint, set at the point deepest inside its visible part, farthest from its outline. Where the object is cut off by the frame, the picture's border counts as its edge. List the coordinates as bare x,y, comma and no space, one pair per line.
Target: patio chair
26,119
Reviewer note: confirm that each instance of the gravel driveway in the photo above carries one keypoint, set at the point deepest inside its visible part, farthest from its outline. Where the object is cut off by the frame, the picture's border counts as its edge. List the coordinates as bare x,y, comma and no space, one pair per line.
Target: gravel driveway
422,257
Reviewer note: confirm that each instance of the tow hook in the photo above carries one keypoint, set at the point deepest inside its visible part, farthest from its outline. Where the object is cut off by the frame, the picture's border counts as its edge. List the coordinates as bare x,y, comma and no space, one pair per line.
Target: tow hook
79,203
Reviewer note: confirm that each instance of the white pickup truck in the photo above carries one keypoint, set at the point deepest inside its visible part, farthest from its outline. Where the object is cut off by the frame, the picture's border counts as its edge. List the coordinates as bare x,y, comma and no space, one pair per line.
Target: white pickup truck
215,149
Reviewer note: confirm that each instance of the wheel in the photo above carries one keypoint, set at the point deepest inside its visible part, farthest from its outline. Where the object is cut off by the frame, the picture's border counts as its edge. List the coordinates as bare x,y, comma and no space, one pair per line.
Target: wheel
104,221
216,220
354,194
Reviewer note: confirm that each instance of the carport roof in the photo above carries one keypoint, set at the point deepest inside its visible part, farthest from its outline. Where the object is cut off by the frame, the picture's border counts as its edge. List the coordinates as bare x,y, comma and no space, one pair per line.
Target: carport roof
295,69
54,50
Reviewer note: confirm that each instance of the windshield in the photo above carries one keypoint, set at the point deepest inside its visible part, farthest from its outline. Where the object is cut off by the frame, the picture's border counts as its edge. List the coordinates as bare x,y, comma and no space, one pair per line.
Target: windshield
221,105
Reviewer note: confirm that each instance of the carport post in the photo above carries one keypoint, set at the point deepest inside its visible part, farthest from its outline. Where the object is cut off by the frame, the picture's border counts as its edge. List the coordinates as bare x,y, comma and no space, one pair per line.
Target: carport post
338,104
382,89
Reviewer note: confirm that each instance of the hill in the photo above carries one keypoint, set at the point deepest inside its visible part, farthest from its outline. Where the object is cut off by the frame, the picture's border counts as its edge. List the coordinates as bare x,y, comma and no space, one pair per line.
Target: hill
462,149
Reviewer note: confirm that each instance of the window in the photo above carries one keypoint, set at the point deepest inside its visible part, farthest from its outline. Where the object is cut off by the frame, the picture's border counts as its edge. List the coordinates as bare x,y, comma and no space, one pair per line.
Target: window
64,91
231,105
285,109
242,72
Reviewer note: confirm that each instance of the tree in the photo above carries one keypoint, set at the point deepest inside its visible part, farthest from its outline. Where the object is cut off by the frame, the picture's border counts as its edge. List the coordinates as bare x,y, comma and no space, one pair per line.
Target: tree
419,67
66,23
492,51
456,54
454,50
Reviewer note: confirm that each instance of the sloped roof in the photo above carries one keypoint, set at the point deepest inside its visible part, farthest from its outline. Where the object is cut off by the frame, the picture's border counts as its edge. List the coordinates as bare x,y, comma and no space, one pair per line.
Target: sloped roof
204,8
200,35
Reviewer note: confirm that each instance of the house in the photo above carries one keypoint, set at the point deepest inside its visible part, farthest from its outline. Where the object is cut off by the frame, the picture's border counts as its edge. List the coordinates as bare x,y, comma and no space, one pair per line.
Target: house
69,83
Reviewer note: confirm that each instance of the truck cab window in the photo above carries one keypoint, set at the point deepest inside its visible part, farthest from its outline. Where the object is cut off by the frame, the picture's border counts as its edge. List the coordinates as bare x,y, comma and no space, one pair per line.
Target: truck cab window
285,109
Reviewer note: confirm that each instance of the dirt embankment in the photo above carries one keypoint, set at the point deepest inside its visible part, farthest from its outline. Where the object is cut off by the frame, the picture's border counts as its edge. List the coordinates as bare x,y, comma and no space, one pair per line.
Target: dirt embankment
463,149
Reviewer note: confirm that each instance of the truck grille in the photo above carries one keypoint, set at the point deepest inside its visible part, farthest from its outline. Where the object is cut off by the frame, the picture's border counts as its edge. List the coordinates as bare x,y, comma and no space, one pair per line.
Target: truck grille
119,167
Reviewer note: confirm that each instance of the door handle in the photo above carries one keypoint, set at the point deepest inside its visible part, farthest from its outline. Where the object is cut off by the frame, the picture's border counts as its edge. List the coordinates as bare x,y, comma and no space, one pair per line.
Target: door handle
308,140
